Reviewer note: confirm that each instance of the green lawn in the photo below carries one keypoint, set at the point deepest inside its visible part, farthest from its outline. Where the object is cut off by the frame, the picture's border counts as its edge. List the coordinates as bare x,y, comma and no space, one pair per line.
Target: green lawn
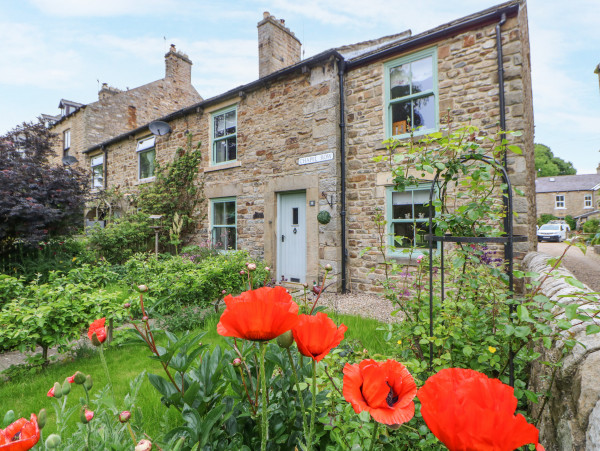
26,393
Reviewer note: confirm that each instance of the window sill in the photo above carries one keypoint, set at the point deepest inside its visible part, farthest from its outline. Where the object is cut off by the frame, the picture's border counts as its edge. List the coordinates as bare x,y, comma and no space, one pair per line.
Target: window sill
560,208
222,166
588,208
146,180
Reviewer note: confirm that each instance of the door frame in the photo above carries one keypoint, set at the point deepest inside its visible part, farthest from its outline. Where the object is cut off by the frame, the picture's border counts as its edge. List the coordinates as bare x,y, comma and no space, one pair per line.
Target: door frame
279,219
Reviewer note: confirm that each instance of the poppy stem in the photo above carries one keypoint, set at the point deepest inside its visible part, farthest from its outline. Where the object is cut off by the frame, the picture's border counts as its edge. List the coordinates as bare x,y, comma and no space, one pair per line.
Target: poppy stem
374,437
105,366
314,404
263,377
300,397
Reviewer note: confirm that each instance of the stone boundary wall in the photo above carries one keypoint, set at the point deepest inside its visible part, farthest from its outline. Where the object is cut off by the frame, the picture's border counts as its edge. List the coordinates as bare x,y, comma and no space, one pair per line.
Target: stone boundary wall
571,419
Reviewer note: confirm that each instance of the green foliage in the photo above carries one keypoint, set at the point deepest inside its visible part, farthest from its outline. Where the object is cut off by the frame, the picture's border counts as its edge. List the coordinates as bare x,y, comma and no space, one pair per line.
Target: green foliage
174,281
36,263
591,226
176,189
547,165
121,239
469,200
545,218
571,222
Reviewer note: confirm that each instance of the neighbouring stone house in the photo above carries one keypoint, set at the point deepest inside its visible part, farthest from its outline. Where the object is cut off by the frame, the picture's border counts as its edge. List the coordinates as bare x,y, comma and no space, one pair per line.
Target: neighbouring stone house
302,137
569,195
80,126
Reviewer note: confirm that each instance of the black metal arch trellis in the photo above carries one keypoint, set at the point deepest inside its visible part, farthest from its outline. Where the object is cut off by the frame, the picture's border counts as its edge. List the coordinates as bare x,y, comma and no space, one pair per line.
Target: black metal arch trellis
508,239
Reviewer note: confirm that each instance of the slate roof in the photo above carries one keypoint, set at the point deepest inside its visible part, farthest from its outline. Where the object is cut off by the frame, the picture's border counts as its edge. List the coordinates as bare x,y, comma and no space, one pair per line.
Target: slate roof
581,182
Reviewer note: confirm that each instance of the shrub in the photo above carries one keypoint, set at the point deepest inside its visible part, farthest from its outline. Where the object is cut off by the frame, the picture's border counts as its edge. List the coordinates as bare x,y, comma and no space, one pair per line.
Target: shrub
571,222
545,218
176,281
121,239
591,226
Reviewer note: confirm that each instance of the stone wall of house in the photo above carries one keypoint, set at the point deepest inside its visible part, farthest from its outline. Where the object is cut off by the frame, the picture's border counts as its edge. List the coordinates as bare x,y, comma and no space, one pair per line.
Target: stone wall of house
118,111
574,203
571,418
292,117
468,89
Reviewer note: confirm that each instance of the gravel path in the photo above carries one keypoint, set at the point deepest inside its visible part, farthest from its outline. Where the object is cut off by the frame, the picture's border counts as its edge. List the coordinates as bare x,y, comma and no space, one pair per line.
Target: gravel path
586,268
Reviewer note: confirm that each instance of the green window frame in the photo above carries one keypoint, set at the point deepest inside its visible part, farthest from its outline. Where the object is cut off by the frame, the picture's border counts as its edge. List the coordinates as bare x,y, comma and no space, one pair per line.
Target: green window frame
97,167
223,221
224,135
146,152
407,216
411,94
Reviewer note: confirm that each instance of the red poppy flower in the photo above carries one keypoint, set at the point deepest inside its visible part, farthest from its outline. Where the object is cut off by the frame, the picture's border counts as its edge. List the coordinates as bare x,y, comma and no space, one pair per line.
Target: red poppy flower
50,393
466,410
259,315
317,335
20,435
97,327
384,389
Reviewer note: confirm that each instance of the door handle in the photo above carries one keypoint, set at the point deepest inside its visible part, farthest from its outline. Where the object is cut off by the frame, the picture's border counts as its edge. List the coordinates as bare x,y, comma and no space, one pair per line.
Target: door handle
282,238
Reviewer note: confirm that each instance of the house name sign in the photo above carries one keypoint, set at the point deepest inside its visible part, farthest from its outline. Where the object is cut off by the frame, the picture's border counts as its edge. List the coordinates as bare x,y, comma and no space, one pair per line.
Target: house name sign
316,158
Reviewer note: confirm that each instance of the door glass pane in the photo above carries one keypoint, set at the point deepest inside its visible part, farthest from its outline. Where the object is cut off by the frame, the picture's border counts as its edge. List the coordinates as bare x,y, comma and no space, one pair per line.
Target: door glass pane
424,112
422,75
400,81
295,216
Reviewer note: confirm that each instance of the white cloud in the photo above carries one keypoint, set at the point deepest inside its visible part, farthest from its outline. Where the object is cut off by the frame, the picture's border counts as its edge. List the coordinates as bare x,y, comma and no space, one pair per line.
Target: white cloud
102,8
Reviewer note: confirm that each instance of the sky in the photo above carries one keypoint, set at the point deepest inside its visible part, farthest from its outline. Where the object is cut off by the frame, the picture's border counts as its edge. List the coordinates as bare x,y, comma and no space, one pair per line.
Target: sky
65,49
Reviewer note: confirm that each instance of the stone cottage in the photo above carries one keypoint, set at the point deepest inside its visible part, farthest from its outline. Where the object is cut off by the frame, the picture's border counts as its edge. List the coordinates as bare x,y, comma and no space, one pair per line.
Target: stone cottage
577,196
80,126
301,138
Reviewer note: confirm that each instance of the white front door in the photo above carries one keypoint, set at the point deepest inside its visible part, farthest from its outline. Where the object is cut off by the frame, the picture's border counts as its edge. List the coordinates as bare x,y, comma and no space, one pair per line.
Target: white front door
291,237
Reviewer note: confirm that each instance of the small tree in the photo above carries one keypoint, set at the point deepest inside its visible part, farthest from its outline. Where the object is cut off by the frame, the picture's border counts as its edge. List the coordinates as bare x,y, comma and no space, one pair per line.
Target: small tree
37,200
176,190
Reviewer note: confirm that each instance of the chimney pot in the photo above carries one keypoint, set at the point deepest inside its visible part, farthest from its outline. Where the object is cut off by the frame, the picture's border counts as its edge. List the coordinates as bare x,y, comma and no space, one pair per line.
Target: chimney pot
266,15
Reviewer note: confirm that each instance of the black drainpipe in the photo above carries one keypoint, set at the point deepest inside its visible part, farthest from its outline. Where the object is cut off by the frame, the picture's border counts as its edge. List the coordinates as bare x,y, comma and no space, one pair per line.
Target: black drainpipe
501,80
341,69
508,247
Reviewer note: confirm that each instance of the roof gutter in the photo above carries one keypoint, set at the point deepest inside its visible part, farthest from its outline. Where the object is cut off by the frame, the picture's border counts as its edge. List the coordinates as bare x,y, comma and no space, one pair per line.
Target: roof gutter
425,38
235,92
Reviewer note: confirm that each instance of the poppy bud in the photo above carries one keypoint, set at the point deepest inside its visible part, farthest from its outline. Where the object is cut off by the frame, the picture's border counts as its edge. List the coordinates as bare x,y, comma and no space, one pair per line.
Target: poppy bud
126,305
242,272
41,418
143,445
224,292
95,340
305,285
251,267
9,417
142,288
124,416
285,340
328,267
79,378
236,362
53,441
66,387
57,390
145,318
267,269
89,383
86,415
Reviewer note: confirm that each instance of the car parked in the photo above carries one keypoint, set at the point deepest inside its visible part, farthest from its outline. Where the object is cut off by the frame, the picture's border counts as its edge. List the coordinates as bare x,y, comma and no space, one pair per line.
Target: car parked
553,232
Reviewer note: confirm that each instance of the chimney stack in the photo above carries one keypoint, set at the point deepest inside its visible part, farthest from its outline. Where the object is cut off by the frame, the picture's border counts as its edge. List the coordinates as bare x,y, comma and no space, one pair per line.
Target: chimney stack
278,47
598,169
107,91
178,66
